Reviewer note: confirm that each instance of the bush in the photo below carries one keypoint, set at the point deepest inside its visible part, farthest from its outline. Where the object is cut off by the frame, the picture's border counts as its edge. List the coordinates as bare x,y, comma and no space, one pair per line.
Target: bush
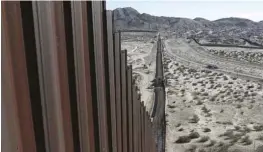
260,137
203,139
170,106
259,149
258,127
199,102
205,110
211,143
194,119
206,130
183,139
194,135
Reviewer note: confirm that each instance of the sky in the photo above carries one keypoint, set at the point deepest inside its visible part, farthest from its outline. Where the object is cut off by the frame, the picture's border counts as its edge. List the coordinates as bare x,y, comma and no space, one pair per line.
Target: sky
212,10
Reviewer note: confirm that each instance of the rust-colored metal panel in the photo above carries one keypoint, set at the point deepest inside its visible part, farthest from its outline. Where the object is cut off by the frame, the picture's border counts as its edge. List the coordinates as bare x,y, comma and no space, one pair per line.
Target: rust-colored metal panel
147,135
142,126
124,100
134,117
130,106
51,52
117,48
99,41
112,80
82,37
139,126
18,132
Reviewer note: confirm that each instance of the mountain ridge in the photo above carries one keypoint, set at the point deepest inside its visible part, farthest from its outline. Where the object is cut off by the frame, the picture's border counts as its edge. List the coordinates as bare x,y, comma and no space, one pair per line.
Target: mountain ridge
130,18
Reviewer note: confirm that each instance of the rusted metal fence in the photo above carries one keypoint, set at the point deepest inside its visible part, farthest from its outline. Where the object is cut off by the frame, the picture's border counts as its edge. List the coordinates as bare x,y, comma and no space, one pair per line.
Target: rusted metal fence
66,85
158,112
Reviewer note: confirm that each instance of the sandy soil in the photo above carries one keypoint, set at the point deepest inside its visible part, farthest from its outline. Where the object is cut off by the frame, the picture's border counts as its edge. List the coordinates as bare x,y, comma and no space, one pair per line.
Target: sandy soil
193,55
207,111
210,110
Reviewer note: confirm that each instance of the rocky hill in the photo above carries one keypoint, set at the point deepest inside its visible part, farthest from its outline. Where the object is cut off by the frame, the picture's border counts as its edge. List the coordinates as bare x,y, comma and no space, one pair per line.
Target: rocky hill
129,18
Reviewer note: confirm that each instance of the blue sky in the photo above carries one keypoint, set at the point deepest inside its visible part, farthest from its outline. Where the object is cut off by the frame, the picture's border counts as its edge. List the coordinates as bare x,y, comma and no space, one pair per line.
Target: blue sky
190,9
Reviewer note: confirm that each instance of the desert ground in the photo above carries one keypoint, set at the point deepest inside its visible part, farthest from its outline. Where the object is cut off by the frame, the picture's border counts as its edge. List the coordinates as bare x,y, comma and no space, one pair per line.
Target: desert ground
207,110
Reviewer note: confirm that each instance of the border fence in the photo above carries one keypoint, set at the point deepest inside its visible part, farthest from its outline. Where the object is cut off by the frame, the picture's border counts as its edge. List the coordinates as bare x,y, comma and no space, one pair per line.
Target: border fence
66,85
158,112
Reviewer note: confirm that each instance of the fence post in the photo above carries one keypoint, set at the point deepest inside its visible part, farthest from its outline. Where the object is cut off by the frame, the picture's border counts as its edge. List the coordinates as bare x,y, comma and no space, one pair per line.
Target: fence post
124,100
99,55
111,80
18,132
84,68
143,127
52,61
117,48
130,107
139,124
134,117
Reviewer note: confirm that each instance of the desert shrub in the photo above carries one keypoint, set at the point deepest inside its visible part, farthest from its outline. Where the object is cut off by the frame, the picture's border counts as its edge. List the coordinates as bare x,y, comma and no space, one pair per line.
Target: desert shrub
253,94
245,140
172,111
258,127
178,125
194,119
203,139
259,149
205,110
230,82
238,106
211,143
199,102
260,137
225,78
246,129
228,133
205,94
208,115
171,106
206,130
192,148
194,135
183,139
225,122
181,129
201,150
237,127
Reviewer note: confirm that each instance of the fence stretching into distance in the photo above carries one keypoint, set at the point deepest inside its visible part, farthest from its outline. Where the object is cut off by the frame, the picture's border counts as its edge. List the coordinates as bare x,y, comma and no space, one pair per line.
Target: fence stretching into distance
66,83
158,112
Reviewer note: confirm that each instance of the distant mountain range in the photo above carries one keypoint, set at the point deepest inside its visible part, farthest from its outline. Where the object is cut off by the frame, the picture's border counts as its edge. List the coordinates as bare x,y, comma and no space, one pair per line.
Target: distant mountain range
129,18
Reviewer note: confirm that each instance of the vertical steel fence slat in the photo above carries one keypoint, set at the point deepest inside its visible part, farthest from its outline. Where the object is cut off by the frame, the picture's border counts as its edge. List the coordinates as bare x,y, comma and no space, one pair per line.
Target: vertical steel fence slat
117,48
111,79
50,40
134,117
97,17
124,100
143,128
18,132
130,106
82,54
139,123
